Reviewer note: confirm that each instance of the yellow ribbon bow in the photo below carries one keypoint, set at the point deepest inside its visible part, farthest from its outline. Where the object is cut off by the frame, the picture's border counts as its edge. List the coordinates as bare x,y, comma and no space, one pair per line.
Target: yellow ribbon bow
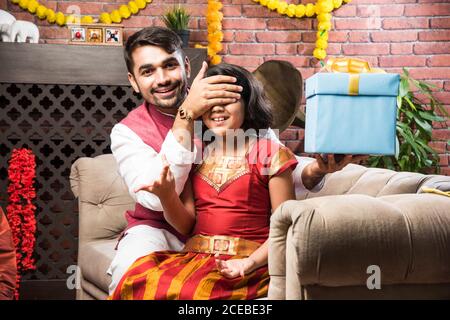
353,67
437,191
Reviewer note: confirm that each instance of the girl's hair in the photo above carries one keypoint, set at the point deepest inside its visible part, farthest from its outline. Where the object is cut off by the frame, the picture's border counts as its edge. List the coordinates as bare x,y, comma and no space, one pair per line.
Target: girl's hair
258,111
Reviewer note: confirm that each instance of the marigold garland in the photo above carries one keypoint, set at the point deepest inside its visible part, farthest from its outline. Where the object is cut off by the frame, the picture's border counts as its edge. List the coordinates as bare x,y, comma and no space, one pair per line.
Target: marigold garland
20,211
116,16
321,9
215,35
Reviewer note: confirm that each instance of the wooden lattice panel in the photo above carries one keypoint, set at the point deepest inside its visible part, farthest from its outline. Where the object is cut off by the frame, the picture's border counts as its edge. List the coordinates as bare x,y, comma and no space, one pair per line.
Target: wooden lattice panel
59,123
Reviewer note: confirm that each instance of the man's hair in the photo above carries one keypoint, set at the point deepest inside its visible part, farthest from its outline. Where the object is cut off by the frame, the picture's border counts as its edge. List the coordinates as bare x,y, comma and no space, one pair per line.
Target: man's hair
152,36
258,111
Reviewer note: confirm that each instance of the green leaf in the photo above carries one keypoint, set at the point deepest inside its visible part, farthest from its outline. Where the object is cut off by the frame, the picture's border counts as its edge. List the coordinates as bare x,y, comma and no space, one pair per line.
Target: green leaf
404,87
429,116
424,125
410,103
405,71
397,147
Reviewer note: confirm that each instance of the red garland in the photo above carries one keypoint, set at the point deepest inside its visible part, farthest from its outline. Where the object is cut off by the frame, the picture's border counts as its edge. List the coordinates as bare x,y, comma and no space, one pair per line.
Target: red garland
20,211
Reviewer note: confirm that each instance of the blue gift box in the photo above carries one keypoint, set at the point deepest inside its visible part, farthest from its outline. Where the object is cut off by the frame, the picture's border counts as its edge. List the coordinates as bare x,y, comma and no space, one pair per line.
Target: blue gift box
360,122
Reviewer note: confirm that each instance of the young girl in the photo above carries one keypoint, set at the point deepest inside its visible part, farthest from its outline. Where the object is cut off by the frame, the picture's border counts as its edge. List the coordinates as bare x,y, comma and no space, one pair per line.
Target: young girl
225,208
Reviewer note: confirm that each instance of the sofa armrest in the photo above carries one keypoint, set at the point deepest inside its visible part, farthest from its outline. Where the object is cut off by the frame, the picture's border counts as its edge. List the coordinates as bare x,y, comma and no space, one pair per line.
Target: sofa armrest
332,240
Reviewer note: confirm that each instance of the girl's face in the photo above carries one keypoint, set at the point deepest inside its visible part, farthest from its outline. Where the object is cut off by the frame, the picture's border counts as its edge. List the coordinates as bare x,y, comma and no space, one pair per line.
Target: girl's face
220,118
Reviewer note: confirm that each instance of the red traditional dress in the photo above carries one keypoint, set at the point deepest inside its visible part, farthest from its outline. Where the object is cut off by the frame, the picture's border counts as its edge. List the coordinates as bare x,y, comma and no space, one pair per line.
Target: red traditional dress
233,213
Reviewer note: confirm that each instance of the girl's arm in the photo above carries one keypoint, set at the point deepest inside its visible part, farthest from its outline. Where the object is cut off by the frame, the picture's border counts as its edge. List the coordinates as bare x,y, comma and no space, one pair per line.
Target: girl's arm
281,188
179,211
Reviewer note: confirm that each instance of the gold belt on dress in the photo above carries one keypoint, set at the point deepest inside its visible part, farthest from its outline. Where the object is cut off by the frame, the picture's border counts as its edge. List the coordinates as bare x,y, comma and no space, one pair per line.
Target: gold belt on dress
221,244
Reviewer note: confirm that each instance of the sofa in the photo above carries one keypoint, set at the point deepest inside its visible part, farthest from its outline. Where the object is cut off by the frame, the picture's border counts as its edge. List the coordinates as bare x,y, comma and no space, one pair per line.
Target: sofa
364,223
320,247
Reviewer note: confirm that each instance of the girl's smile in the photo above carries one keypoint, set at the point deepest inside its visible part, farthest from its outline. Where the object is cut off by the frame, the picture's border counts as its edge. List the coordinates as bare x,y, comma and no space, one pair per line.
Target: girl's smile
220,118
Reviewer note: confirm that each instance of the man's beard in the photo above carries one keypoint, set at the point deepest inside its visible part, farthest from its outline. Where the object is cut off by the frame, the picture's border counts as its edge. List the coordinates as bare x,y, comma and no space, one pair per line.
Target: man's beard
171,103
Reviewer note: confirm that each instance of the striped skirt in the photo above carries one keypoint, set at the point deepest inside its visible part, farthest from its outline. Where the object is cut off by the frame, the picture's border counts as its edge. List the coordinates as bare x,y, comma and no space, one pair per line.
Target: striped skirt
169,275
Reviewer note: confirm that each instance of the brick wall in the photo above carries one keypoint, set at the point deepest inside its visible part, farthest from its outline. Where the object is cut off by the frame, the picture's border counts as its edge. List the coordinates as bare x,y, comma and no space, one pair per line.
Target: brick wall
391,34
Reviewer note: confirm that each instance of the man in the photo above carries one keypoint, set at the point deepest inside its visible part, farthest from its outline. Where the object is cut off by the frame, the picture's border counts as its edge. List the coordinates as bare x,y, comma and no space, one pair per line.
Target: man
162,129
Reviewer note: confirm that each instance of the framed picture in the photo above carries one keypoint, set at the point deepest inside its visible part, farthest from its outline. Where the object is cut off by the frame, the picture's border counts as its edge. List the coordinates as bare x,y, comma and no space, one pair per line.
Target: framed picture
78,34
95,35
113,35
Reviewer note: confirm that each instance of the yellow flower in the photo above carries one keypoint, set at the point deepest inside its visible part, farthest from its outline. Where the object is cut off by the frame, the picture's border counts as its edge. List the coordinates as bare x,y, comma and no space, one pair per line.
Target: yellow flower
215,37
105,18
324,17
281,9
214,26
23,4
272,4
337,3
210,51
322,35
321,44
60,18
319,53
199,46
300,10
149,1
215,5
32,6
87,19
214,16
40,12
124,11
290,12
140,4
73,19
263,2
347,1
133,7
115,16
51,16
325,6
324,25
310,10
216,59
216,46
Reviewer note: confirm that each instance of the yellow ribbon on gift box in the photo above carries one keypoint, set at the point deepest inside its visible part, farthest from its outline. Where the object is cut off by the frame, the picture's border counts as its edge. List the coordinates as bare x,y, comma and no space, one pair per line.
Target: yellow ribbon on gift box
436,191
353,67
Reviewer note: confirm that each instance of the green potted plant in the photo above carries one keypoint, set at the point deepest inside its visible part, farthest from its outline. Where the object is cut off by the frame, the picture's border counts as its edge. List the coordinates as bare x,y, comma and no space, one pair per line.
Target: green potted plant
177,19
414,126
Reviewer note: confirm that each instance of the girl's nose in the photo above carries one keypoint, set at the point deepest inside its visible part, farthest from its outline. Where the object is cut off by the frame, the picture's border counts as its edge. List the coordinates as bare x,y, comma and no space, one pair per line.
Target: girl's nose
217,109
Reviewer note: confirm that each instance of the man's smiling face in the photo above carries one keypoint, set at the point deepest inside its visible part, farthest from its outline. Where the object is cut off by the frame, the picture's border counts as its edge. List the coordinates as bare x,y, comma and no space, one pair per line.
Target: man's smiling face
160,77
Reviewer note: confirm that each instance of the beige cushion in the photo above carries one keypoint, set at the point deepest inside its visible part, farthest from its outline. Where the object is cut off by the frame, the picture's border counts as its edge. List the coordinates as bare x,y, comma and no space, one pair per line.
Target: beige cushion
94,259
376,182
103,197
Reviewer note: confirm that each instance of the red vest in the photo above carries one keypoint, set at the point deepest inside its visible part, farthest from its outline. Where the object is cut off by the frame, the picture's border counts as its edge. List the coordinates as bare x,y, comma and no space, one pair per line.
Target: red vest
152,127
